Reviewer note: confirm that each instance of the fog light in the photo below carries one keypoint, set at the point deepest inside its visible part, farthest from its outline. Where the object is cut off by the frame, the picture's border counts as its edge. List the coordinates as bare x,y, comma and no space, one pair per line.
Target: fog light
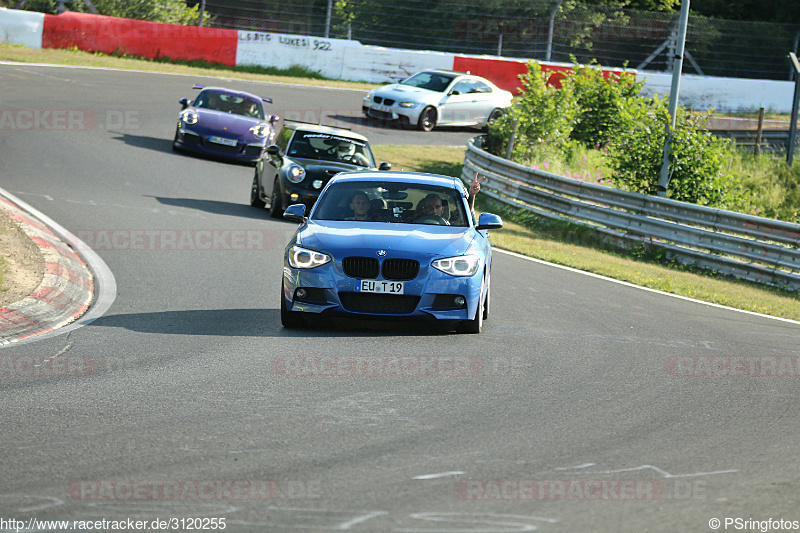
300,294
459,300
294,197
317,184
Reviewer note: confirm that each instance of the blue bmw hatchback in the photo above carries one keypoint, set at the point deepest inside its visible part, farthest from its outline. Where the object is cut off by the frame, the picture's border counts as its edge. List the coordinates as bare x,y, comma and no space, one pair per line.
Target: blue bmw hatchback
389,245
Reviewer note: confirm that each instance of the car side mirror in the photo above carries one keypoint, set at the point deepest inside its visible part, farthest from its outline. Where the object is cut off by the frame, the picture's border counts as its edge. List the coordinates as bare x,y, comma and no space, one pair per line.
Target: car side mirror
184,103
385,166
489,221
454,93
295,213
273,150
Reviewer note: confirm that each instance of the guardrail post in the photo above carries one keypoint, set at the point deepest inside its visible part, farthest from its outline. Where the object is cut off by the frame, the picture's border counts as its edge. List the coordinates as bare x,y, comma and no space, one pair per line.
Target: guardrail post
760,130
511,138
793,122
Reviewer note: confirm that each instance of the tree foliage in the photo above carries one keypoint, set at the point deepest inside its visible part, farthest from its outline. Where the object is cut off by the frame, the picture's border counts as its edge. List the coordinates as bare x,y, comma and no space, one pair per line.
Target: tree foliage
608,112
600,99
542,114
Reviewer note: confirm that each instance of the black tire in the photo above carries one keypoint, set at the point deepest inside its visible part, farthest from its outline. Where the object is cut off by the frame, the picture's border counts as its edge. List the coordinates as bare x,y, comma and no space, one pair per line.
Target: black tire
487,300
475,325
427,119
175,146
494,115
290,319
255,195
276,202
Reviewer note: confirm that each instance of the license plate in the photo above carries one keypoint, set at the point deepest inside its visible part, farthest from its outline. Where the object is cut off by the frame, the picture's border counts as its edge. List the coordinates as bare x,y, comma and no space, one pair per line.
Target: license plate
381,107
223,140
380,287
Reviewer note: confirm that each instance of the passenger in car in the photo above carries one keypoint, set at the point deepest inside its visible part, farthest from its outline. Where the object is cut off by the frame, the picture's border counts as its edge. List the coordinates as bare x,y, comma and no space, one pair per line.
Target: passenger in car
359,204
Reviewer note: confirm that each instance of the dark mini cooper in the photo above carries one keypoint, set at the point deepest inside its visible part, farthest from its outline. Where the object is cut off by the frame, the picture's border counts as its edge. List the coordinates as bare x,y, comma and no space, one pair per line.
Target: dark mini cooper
303,159
226,124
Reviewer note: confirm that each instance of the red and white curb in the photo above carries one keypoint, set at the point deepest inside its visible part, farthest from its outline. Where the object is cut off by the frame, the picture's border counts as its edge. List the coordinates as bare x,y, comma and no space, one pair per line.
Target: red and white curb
64,293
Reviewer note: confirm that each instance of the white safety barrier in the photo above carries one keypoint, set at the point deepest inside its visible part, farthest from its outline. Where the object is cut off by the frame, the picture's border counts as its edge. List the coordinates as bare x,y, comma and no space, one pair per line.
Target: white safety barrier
21,27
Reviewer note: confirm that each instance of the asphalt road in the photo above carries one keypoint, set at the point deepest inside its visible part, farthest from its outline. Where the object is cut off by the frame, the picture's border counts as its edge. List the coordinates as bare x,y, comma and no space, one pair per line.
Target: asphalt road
570,411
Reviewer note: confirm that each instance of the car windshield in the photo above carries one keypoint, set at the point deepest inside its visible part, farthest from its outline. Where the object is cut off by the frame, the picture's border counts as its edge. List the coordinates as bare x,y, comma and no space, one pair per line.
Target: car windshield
433,81
406,203
329,147
230,103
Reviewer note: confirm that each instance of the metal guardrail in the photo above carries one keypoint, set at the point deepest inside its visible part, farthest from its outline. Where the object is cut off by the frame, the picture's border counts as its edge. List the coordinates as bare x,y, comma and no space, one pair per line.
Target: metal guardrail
745,246
772,141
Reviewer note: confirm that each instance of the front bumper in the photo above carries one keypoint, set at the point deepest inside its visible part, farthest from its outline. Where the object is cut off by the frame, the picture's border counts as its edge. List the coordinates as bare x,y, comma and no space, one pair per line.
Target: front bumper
391,112
192,141
329,291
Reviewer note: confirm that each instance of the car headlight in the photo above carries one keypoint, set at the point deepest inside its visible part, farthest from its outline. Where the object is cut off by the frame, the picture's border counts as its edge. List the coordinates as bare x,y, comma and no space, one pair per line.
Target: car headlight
368,97
295,173
462,266
260,130
408,104
300,257
189,117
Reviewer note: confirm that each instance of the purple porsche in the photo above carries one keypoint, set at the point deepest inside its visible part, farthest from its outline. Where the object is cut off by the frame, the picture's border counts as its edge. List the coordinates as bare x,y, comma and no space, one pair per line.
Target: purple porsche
226,124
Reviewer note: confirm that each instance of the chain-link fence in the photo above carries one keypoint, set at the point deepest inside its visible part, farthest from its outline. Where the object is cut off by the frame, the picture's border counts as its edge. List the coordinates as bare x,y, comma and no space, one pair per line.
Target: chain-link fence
535,29
555,30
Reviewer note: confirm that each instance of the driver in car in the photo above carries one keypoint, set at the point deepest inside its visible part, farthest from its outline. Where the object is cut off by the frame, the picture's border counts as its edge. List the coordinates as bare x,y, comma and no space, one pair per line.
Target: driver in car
431,207
346,151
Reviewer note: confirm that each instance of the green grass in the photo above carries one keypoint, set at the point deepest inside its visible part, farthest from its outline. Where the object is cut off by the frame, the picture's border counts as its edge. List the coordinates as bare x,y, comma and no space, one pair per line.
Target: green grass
522,233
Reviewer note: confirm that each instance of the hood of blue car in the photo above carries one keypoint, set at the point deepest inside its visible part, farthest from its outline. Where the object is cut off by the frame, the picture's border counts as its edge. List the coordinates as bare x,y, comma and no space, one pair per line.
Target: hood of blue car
414,241
225,123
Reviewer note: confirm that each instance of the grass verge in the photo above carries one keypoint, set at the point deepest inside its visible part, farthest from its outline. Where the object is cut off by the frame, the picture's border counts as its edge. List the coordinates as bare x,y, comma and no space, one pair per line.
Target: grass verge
581,248
75,57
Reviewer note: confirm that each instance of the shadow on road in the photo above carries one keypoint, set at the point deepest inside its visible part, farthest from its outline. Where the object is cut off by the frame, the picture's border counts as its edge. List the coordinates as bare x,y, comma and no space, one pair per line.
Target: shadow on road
158,144
256,323
218,207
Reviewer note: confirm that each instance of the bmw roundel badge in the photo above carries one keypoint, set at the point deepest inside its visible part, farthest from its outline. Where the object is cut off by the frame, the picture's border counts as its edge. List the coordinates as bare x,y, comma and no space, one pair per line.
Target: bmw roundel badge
381,252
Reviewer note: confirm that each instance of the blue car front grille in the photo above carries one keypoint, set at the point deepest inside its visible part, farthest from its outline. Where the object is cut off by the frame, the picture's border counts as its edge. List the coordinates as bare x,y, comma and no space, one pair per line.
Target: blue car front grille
361,267
399,304
400,269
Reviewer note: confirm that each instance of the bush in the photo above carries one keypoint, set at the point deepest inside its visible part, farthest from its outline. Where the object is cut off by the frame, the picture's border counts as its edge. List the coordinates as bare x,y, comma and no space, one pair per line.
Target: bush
600,101
543,114
698,172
